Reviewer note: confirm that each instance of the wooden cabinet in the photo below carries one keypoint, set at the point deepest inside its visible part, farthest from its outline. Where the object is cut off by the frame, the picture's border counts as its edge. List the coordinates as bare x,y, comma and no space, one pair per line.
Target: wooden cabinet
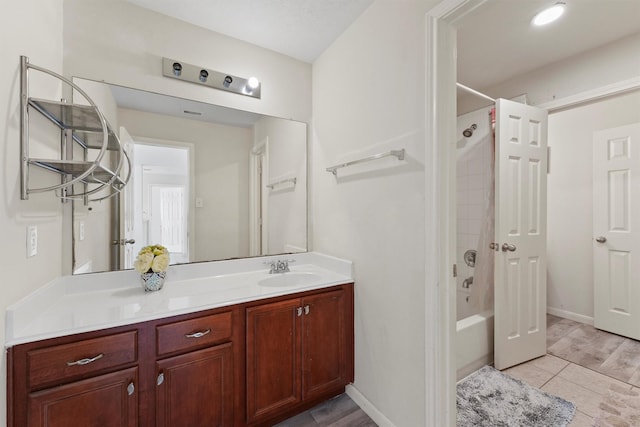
246,364
196,389
299,351
105,400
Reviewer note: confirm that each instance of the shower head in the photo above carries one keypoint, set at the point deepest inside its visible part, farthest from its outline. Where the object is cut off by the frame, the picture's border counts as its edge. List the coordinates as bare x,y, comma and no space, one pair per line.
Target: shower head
469,131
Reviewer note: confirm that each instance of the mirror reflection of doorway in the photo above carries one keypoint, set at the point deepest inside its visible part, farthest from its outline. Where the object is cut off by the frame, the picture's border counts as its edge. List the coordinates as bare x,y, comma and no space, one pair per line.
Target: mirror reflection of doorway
160,206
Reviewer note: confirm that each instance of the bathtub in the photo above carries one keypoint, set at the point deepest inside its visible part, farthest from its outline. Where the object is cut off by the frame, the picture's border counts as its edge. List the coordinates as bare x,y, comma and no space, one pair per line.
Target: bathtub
474,343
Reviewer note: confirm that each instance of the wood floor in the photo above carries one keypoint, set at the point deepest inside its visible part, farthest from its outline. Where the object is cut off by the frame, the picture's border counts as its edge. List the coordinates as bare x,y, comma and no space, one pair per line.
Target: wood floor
599,372
340,411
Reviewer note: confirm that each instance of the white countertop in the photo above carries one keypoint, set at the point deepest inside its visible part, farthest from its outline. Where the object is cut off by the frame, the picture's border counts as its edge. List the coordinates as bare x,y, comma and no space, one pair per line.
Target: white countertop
81,303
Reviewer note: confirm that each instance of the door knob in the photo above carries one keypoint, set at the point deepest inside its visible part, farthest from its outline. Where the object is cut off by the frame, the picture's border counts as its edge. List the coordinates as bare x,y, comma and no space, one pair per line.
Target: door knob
601,239
124,242
507,247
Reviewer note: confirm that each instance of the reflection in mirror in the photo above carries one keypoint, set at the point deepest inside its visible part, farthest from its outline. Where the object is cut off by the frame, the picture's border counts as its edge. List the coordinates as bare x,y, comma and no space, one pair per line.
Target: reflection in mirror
208,182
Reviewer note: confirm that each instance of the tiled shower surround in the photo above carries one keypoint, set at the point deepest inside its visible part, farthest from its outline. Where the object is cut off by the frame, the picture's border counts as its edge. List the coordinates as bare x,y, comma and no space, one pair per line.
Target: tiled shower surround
473,174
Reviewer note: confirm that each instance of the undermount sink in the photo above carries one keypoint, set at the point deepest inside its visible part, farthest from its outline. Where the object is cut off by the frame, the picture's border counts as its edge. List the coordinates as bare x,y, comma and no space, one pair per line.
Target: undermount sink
297,278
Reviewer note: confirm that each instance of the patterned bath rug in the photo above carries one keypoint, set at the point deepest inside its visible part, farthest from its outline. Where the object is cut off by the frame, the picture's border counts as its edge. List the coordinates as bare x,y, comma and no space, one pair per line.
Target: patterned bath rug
492,399
619,408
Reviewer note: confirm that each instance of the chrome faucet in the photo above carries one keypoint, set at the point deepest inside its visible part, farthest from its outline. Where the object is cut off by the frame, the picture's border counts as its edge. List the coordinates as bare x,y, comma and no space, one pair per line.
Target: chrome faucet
279,266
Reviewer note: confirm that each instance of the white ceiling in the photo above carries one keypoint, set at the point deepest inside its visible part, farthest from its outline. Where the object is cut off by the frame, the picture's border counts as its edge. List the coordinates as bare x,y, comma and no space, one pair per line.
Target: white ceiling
497,41
302,29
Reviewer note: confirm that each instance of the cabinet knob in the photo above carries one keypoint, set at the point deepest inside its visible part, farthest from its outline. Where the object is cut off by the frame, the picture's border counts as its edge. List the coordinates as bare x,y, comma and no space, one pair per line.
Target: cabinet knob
131,388
306,309
299,311
160,379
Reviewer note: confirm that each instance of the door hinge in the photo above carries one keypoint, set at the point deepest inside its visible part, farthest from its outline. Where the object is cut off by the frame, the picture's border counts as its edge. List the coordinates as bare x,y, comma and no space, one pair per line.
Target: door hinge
455,270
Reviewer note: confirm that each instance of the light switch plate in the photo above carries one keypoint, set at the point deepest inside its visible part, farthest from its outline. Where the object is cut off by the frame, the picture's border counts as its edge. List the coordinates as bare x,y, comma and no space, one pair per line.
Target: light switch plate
32,240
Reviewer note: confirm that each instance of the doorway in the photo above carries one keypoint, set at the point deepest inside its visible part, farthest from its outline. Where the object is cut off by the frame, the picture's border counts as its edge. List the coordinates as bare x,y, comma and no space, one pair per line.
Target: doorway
162,191
442,26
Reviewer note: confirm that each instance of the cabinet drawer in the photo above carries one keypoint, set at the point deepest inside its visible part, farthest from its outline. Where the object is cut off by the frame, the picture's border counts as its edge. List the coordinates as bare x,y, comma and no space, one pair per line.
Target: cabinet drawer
60,362
193,333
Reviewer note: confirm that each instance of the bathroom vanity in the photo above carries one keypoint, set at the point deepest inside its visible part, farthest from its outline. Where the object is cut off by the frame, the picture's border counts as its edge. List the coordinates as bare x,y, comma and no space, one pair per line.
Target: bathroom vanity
222,344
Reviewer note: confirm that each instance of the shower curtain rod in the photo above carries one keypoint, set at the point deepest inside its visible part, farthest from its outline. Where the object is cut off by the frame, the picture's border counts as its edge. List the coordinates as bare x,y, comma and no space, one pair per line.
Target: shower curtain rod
475,92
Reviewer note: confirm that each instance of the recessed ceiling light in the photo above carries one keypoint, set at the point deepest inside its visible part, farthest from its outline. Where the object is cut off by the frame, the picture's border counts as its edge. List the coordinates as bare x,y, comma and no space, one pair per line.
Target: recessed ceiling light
549,15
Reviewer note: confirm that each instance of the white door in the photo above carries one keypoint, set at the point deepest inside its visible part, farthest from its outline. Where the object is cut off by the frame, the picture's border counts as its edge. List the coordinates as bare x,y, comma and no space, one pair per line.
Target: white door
126,208
521,225
616,194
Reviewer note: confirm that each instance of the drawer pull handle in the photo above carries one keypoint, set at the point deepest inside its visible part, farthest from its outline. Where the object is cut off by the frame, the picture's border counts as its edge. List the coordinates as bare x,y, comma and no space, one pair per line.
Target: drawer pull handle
198,334
85,361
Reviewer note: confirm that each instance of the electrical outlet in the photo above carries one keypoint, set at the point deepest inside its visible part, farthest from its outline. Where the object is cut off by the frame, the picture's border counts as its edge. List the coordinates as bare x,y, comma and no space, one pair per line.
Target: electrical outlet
81,230
32,240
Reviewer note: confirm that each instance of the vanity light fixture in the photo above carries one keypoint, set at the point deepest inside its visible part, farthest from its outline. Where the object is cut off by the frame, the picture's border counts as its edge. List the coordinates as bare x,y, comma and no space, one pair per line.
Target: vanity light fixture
549,15
215,79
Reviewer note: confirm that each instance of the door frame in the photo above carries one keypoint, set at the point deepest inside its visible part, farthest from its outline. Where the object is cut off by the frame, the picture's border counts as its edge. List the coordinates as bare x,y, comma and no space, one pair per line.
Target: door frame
258,203
440,209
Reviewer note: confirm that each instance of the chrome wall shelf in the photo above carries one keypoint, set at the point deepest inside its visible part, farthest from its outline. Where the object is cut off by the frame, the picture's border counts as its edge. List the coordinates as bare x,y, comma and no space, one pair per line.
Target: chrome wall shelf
84,125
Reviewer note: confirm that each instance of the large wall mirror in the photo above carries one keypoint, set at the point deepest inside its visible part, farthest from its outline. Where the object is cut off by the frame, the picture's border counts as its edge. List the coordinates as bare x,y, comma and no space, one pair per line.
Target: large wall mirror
207,182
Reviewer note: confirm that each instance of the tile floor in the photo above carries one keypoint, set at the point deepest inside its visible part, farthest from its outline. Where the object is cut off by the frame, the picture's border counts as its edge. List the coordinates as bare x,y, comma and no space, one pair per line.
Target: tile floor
596,370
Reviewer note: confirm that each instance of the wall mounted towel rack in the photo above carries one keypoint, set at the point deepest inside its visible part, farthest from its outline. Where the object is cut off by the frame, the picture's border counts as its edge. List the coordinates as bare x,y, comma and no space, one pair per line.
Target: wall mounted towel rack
395,153
284,181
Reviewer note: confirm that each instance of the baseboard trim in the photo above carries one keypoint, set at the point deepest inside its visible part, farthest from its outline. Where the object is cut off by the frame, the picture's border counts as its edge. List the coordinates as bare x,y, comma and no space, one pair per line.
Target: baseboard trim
570,315
367,407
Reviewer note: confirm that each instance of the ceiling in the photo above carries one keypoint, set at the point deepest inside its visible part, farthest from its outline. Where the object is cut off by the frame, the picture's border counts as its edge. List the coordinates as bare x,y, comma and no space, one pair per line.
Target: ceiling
302,29
497,41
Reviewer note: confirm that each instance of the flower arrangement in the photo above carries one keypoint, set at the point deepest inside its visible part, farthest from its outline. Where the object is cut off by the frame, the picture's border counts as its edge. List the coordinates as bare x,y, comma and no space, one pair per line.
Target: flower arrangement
154,258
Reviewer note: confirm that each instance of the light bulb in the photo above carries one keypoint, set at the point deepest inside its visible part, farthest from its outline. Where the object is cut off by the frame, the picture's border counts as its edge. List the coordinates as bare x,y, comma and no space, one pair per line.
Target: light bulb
253,83
549,15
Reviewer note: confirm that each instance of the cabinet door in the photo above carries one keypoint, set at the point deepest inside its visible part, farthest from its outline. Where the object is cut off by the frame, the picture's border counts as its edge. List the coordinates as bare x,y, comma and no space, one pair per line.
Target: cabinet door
196,389
324,351
107,400
273,358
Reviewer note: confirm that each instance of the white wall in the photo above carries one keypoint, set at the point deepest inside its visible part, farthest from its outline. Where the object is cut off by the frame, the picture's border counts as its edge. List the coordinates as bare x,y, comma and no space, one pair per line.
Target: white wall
368,97
570,200
221,156
32,28
287,203
124,44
